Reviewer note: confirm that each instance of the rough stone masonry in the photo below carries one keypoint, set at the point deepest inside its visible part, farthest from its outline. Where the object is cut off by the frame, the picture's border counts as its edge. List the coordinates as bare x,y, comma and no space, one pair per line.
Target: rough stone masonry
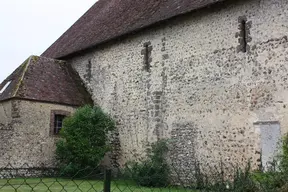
205,80
25,134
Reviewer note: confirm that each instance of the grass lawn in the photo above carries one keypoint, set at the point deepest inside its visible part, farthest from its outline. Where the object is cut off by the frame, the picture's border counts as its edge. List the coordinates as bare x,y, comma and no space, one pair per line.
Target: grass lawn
55,185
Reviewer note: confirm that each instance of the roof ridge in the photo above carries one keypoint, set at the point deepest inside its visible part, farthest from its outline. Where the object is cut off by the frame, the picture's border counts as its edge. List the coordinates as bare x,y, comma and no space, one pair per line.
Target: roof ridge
23,75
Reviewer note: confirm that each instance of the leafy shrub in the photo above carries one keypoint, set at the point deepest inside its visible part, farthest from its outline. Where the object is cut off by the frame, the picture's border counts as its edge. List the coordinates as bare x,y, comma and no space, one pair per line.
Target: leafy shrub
154,171
84,141
269,181
284,156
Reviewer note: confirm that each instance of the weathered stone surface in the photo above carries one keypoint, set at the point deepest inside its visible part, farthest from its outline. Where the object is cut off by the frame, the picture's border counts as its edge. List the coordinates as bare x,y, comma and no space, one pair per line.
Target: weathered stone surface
25,138
197,79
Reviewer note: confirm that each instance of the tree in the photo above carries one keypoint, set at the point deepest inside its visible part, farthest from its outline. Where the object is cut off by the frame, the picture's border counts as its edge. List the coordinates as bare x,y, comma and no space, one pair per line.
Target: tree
84,141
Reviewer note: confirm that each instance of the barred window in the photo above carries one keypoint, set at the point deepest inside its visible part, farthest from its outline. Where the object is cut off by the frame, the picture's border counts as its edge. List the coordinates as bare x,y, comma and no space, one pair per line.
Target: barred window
58,122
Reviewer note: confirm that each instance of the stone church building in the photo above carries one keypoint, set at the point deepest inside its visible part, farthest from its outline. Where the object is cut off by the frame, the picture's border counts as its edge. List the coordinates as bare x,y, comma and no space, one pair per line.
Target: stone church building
210,75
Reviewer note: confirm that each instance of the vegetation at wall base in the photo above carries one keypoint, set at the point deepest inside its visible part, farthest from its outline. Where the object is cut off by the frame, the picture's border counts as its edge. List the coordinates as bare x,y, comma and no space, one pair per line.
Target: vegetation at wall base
84,144
217,181
154,171
84,141
275,179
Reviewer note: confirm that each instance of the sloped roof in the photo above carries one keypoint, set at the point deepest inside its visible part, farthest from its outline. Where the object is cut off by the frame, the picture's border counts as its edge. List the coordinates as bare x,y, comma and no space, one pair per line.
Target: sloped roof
109,19
48,80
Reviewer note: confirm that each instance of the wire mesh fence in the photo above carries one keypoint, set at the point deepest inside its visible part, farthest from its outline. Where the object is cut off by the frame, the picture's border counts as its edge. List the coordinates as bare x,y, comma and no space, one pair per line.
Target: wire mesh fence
154,171
24,178
142,177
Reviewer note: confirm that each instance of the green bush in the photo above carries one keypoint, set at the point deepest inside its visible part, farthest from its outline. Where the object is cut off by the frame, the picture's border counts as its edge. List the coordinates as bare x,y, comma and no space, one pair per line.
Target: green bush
269,181
154,171
84,141
284,156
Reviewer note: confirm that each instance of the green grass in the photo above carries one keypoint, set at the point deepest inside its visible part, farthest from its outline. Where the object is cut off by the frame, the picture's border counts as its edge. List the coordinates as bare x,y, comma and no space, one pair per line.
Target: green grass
55,185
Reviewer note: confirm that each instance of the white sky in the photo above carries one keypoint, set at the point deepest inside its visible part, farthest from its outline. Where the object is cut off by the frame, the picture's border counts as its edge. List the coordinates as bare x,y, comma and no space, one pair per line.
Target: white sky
29,27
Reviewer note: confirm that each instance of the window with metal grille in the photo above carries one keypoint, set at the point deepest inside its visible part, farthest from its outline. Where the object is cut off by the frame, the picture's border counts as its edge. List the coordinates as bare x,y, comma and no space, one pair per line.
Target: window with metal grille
58,122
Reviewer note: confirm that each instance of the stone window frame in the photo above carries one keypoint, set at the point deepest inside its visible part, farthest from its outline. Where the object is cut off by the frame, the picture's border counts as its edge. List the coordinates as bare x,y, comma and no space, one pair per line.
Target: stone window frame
52,119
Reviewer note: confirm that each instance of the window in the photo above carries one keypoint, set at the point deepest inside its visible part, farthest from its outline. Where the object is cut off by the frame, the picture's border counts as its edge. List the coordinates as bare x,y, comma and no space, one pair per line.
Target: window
146,52
243,35
5,86
58,121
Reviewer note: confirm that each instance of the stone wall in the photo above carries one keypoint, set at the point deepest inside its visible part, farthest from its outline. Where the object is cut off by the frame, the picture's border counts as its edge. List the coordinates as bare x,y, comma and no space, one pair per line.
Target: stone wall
25,172
201,79
5,114
26,139
6,129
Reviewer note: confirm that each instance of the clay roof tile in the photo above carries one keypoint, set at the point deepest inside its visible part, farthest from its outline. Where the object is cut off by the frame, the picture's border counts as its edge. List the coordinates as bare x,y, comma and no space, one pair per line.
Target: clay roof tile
48,80
109,19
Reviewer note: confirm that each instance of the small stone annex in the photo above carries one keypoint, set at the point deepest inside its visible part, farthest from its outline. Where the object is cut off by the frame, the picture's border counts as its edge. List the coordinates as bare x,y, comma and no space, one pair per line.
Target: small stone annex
210,75
34,100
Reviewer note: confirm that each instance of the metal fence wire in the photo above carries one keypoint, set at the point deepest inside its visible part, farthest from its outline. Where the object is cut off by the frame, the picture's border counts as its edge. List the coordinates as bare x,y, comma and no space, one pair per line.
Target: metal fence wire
143,177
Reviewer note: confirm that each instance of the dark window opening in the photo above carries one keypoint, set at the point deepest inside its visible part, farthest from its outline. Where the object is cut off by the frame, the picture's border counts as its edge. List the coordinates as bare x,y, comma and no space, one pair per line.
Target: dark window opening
146,52
58,123
146,57
244,35
88,75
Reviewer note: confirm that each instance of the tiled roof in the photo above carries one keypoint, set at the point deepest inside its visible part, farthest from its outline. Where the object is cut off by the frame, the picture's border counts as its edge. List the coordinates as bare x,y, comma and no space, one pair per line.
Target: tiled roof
109,19
48,80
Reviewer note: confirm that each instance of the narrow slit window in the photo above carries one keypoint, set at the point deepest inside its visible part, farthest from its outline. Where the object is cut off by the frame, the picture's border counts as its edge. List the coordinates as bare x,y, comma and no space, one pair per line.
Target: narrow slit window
88,75
244,36
146,57
146,52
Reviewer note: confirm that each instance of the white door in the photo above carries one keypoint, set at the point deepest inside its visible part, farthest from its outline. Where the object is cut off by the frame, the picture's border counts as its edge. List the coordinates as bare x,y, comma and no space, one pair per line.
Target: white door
270,143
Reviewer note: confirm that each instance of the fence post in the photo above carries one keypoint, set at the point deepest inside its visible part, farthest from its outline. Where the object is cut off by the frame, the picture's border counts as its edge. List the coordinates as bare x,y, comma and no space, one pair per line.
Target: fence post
107,180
